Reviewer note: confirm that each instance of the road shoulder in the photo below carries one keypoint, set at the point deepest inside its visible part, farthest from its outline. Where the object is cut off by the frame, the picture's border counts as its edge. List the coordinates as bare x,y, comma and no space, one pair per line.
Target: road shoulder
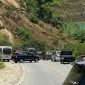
12,74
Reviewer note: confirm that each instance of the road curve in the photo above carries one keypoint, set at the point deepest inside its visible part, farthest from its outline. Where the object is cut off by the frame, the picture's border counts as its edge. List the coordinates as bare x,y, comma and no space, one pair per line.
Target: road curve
45,73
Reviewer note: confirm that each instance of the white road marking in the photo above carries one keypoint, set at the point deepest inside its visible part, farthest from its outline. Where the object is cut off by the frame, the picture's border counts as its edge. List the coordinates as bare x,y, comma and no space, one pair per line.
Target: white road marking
56,70
24,71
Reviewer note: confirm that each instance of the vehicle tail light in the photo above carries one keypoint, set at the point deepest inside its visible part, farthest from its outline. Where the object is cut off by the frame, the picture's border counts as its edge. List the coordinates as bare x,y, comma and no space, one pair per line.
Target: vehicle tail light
83,59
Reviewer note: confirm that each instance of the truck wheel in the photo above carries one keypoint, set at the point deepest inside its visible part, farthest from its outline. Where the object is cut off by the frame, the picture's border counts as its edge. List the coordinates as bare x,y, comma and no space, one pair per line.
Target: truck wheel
36,60
3,60
51,59
15,61
54,60
21,61
8,60
30,61
61,62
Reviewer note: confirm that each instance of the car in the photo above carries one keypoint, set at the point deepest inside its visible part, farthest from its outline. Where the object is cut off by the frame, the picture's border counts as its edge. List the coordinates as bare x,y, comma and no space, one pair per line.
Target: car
22,56
81,58
66,56
55,56
77,74
46,55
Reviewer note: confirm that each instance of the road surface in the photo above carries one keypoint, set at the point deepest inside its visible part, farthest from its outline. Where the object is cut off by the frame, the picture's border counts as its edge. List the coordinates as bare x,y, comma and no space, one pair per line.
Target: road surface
45,73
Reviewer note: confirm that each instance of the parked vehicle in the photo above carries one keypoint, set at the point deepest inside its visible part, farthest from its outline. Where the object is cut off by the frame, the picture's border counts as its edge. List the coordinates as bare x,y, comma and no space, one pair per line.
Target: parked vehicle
5,53
66,56
48,55
58,53
76,75
81,58
24,56
55,56
43,55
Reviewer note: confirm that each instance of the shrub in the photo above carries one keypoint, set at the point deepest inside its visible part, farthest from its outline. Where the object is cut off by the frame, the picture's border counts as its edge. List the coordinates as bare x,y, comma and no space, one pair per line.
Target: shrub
8,7
27,40
39,45
33,19
23,33
55,22
4,40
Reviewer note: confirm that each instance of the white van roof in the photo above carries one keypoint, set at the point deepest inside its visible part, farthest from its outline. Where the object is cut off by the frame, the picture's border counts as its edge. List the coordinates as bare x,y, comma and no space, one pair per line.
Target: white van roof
5,47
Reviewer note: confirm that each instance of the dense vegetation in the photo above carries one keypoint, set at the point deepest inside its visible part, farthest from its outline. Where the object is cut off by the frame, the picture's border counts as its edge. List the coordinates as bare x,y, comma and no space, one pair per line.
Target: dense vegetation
39,10
27,40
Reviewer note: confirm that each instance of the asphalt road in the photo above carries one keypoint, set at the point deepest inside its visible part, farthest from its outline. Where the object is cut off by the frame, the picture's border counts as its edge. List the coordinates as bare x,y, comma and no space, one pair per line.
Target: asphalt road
45,73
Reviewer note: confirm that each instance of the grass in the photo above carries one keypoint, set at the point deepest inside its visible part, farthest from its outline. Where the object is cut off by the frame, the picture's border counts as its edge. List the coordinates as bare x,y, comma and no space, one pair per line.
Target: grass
2,65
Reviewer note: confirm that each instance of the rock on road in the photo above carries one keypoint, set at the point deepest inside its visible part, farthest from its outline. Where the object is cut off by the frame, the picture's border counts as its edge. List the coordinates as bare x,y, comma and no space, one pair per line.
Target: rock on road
45,73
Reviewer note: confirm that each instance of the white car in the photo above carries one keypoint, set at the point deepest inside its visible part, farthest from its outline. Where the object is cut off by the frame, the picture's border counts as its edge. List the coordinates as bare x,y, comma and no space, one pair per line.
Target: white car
56,56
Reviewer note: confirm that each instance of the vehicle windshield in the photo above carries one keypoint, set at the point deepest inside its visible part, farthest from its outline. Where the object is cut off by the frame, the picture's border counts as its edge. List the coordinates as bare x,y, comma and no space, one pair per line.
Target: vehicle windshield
82,56
66,53
32,51
7,51
75,75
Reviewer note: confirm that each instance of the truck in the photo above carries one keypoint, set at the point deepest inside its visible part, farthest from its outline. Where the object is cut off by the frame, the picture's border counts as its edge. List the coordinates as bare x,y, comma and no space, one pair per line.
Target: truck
21,56
66,56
